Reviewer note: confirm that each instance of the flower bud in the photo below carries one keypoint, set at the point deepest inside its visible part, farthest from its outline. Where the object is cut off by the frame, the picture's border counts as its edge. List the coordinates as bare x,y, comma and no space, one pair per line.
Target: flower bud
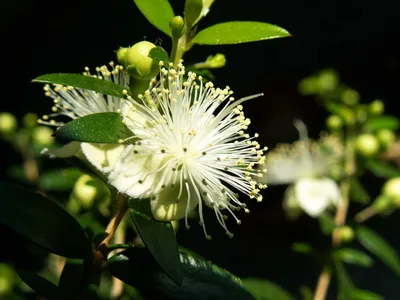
308,86
391,189
84,192
346,233
367,145
216,61
376,107
386,137
350,97
328,80
30,120
176,25
334,123
138,63
8,123
121,55
42,136
382,204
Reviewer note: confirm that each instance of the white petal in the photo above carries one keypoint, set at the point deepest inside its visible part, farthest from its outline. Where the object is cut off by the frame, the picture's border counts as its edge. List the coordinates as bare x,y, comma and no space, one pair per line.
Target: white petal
286,170
167,206
332,190
314,195
102,156
65,151
137,174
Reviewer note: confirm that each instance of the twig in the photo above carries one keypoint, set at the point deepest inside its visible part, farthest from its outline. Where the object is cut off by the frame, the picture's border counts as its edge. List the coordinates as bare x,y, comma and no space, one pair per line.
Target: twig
365,214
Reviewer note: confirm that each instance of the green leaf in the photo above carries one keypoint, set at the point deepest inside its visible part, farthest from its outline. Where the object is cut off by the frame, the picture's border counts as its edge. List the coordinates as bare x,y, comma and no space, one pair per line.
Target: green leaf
85,83
71,278
158,12
378,246
365,295
41,285
358,193
326,223
382,122
306,292
159,237
263,289
353,256
59,180
238,32
342,111
159,54
304,248
201,279
104,128
382,169
42,221
193,9
346,286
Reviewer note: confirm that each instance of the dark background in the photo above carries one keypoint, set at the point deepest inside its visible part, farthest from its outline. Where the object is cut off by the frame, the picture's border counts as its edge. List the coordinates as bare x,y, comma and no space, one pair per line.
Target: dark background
357,38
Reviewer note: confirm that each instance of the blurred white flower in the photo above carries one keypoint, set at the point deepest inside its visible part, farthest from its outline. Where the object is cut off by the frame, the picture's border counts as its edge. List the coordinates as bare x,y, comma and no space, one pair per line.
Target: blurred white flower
192,149
306,166
73,103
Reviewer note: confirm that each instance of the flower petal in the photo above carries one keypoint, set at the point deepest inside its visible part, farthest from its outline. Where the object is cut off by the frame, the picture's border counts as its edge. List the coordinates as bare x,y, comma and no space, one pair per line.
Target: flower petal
102,156
65,151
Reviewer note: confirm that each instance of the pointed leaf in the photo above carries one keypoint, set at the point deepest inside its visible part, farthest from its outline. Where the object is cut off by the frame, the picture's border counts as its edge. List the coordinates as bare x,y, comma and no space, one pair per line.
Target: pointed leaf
159,54
238,32
42,221
365,295
378,246
358,193
346,286
326,223
71,278
304,248
382,169
353,256
263,289
85,83
106,128
382,122
157,12
201,279
158,237
41,285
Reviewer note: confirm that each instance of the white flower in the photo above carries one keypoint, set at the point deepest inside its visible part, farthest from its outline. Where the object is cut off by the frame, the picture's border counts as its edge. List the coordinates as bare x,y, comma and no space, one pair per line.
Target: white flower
305,166
192,149
73,103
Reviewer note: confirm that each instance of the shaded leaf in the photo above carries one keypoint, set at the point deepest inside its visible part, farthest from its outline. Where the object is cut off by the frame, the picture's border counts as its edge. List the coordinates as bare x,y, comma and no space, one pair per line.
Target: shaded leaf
365,295
346,286
326,223
304,248
263,289
306,292
353,256
59,180
382,169
84,82
42,221
378,246
158,237
358,193
72,278
158,12
159,54
104,128
238,32
201,279
41,285
382,122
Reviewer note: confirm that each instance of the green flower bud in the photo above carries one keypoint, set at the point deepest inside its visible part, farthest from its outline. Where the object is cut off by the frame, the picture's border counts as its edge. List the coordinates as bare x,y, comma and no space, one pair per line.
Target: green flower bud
121,55
362,113
30,120
367,145
42,136
85,192
176,25
216,61
376,107
328,80
8,123
346,233
138,64
391,189
386,137
350,97
334,123
382,204
308,86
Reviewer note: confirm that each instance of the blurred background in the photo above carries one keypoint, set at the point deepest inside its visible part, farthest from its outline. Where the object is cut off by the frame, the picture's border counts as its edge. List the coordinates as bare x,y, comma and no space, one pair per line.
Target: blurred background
356,38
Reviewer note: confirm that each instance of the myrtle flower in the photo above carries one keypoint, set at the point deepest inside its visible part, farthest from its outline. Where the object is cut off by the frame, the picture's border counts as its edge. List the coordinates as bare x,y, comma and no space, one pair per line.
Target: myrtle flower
306,166
192,149
72,103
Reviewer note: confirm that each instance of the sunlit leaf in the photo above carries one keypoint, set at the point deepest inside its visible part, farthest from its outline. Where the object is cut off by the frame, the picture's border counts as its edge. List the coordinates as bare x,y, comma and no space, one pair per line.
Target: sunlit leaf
159,238
42,221
85,83
106,128
365,295
263,289
201,279
158,12
382,122
238,32
378,246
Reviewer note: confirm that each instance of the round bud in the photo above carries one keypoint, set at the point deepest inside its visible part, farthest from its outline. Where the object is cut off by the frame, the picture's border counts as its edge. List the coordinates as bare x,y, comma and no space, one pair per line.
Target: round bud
382,204
8,123
30,120
176,25
391,189
346,233
138,63
334,123
42,136
328,80
386,137
121,55
350,97
216,61
376,107
367,145
7,279
84,192
308,86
